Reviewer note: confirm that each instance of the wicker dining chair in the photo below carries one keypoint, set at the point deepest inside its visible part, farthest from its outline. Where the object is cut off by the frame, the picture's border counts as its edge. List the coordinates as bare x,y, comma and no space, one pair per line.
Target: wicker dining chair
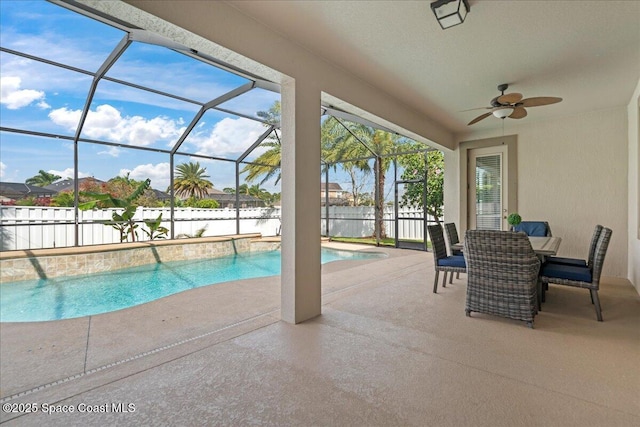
534,228
502,274
452,236
581,277
442,262
576,261
451,232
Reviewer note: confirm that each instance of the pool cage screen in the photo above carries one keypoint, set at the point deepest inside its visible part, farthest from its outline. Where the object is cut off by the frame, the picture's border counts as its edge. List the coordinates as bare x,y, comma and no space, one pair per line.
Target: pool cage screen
381,214
136,103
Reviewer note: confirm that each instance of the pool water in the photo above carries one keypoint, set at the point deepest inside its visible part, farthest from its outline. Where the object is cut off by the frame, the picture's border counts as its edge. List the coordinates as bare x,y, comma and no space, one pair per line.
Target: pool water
83,295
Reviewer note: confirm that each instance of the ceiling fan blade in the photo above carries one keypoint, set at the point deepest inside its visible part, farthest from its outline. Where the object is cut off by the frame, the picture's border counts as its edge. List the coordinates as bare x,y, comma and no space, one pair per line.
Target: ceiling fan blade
480,117
475,109
510,98
538,101
518,113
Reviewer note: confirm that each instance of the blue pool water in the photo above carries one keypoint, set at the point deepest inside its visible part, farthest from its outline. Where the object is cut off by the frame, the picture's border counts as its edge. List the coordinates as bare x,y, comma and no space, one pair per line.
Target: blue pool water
76,296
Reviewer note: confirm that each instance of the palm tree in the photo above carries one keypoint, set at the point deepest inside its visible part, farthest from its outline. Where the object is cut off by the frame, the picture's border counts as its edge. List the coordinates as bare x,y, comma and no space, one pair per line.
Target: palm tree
335,149
352,141
268,163
271,116
243,189
42,179
257,192
338,144
190,181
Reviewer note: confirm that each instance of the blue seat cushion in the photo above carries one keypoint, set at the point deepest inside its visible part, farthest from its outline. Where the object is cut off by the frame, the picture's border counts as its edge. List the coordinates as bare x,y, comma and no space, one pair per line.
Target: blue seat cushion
567,261
532,228
452,261
569,272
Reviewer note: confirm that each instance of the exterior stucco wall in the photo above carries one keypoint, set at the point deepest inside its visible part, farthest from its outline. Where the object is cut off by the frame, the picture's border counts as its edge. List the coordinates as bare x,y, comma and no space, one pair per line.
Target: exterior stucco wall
572,172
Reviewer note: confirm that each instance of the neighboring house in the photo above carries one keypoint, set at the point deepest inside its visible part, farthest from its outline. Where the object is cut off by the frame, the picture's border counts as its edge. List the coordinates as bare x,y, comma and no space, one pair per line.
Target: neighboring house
228,200
67,185
13,191
161,195
337,196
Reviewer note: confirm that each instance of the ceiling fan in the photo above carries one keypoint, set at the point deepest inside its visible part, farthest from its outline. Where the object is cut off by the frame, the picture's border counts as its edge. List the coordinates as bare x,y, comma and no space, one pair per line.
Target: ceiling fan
512,105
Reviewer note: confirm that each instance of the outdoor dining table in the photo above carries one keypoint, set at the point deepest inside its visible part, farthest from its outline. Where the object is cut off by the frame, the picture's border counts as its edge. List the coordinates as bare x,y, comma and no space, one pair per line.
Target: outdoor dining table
542,246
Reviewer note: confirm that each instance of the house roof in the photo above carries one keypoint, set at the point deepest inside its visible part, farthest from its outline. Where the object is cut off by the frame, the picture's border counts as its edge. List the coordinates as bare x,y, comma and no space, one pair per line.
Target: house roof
161,195
221,196
332,186
67,184
15,190
214,190
231,198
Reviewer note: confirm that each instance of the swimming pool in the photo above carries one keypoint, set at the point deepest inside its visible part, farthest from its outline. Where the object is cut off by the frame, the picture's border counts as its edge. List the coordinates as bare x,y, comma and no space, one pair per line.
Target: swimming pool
77,296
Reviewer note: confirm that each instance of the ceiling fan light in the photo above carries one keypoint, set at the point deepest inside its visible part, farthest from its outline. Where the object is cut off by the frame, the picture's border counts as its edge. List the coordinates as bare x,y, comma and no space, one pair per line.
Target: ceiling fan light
503,112
450,12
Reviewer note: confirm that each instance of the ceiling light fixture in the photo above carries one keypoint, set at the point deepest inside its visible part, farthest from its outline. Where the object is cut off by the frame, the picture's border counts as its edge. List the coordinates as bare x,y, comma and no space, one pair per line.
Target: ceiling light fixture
450,12
503,112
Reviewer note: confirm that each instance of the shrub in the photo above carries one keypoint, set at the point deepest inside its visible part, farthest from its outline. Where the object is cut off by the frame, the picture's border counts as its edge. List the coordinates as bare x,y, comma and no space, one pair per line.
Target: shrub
207,204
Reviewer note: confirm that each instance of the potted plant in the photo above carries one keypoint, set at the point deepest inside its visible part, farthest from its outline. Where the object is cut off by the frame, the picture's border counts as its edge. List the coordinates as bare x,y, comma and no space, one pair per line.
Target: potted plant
514,219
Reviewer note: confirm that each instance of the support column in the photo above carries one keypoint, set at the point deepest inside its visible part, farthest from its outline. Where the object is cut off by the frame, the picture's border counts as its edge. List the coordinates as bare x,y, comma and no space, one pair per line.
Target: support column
301,207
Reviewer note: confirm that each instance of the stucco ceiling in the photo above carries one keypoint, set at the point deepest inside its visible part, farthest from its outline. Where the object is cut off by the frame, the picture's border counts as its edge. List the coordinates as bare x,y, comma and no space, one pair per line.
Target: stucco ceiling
586,52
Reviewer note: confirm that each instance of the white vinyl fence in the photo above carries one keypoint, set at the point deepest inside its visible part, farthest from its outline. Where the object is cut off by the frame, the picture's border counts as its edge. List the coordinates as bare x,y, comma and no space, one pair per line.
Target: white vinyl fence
29,227
359,221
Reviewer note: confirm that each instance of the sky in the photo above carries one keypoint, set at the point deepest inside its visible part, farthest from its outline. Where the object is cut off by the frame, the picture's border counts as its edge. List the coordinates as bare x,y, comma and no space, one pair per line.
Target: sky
37,96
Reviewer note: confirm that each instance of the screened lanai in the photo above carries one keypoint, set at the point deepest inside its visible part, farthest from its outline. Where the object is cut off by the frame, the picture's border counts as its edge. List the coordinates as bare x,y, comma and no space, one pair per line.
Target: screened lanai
89,98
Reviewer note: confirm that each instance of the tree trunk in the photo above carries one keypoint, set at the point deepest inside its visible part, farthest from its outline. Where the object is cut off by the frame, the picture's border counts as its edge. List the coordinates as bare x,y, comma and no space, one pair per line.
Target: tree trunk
355,193
380,202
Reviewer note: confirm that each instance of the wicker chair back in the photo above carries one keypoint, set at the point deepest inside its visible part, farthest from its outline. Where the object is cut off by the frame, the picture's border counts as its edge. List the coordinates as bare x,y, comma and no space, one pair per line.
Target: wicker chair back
502,274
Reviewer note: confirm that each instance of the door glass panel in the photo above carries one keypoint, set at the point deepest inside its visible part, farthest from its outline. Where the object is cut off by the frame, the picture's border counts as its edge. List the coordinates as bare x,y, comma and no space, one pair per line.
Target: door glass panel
488,192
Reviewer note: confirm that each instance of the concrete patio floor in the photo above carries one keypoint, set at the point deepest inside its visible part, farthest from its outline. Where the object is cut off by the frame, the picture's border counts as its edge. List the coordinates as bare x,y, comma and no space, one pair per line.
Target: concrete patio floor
386,351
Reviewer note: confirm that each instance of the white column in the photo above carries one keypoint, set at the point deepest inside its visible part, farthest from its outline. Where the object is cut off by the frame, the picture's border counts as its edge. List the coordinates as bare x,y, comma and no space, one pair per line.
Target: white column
300,287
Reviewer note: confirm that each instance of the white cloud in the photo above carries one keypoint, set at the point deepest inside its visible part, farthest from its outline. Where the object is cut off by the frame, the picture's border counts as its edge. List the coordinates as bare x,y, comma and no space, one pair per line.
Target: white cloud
14,98
111,151
52,80
158,174
228,136
68,173
3,167
52,42
107,122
